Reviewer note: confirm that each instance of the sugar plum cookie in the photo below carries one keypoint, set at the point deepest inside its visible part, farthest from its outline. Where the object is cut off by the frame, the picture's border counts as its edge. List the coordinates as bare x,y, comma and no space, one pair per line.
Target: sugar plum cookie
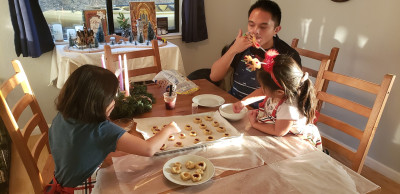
178,164
199,171
207,132
178,144
171,138
182,136
215,124
220,129
201,165
208,118
193,133
197,140
226,135
210,138
189,164
175,170
163,147
188,127
196,177
185,176
197,120
203,126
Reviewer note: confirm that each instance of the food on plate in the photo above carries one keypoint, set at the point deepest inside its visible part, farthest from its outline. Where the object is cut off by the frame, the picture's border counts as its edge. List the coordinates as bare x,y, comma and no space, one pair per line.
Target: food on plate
199,171
210,138
178,164
178,144
197,140
185,176
171,138
207,132
197,120
196,177
201,165
190,165
193,133
163,146
175,170
215,124
226,134
221,129
203,126
182,135
188,127
208,118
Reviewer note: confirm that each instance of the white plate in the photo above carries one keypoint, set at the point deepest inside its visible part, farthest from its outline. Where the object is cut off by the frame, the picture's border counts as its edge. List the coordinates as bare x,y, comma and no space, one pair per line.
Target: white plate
176,178
208,100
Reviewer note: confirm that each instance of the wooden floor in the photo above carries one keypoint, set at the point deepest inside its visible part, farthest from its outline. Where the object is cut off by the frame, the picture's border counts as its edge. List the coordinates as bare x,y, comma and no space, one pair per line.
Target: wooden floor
20,183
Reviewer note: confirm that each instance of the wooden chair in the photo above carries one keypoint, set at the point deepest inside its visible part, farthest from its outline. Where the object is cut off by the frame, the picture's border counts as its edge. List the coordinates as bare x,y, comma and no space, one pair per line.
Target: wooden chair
373,114
117,38
20,136
111,58
323,58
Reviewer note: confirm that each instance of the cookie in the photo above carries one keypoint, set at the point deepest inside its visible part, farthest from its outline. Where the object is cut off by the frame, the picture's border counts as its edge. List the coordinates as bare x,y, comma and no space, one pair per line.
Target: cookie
175,170
188,127
208,118
171,138
207,132
199,171
196,177
201,165
215,124
193,133
185,176
197,120
182,135
189,165
178,144
163,147
203,126
226,135
197,140
210,138
220,129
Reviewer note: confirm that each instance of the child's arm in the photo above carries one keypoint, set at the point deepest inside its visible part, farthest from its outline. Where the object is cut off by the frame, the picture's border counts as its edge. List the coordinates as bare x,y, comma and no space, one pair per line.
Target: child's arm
280,128
255,96
135,145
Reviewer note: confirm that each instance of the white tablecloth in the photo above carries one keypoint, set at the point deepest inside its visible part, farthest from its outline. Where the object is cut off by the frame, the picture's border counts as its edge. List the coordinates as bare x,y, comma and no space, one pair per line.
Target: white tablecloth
62,61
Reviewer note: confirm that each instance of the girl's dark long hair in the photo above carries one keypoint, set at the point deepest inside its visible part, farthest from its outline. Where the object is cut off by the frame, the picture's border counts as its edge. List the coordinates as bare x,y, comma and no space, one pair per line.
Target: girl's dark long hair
87,93
288,74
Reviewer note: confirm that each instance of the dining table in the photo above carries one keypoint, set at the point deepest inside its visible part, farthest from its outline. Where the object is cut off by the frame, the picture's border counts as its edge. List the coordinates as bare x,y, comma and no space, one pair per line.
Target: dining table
253,162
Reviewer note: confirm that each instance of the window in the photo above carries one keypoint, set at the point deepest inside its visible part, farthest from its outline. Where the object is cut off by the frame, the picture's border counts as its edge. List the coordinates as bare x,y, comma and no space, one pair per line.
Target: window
68,13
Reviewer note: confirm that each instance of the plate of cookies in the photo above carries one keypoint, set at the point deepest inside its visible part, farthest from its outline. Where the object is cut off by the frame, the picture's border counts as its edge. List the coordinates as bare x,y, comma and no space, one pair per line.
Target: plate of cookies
188,170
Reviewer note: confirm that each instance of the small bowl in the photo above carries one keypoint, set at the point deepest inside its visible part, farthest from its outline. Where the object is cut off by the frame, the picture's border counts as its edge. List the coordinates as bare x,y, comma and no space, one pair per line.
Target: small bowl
226,110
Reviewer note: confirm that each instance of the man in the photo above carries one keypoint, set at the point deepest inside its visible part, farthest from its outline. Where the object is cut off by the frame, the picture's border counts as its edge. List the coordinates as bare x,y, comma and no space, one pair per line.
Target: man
264,19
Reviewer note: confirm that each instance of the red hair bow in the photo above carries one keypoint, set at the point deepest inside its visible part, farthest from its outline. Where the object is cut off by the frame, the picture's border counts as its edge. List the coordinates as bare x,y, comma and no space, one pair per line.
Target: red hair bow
269,62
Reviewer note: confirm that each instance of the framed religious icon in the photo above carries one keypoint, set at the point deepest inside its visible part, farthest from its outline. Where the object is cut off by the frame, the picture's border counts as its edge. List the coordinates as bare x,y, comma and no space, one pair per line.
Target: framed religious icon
143,14
95,20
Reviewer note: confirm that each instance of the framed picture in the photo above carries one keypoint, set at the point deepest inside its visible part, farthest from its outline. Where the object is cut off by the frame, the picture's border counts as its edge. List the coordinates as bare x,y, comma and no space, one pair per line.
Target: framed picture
93,19
141,14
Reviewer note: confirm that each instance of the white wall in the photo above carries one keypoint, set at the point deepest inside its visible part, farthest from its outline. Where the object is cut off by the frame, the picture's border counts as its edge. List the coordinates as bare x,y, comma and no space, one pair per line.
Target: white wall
365,31
367,34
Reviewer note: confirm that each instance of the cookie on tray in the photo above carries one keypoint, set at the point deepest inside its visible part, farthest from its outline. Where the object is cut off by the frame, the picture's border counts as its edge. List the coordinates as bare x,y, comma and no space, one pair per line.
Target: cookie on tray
188,127
220,129
178,144
197,120
193,133
208,118
203,126
215,124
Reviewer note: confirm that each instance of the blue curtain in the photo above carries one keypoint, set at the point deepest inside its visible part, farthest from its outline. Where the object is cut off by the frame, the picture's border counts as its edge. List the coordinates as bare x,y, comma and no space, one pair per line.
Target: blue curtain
32,36
194,26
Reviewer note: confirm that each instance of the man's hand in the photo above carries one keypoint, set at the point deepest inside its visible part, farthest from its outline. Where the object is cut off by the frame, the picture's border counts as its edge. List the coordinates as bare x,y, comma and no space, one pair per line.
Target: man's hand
241,43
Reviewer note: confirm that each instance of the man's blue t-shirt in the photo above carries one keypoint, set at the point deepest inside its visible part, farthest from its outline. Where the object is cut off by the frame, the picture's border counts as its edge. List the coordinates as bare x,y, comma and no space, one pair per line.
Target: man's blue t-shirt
245,81
79,148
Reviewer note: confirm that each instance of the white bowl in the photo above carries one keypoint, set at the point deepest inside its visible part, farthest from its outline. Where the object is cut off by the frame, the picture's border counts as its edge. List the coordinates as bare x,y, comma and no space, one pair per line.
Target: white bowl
226,110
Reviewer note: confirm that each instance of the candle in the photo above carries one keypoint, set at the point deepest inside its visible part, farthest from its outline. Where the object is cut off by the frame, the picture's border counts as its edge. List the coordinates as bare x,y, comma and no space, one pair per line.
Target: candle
121,79
103,62
126,76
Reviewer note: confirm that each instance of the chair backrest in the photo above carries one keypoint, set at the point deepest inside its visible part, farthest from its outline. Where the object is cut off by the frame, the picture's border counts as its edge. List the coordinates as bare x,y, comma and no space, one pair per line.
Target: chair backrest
323,58
117,38
20,136
373,114
111,58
